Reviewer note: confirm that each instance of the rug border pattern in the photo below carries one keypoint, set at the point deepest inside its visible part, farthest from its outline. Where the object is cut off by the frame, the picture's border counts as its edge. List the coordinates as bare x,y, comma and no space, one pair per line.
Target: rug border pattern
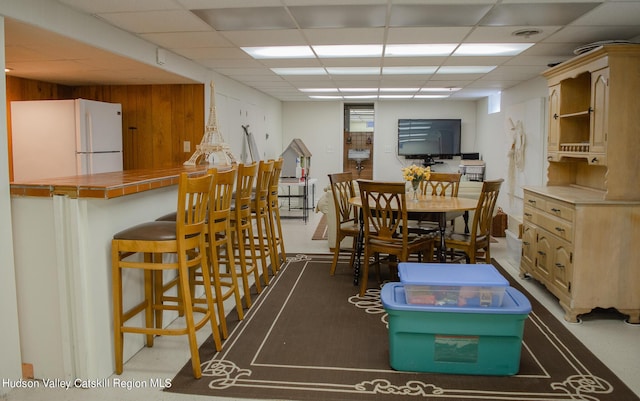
581,386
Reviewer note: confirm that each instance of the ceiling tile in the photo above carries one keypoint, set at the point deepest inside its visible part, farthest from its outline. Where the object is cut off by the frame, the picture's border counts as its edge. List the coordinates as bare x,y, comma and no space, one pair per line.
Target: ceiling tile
342,16
280,37
357,36
156,21
246,19
404,15
536,14
410,35
623,13
182,40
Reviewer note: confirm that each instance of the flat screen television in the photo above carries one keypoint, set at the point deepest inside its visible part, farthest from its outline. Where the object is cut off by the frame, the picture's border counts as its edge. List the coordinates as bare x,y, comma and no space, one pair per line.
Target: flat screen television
429,138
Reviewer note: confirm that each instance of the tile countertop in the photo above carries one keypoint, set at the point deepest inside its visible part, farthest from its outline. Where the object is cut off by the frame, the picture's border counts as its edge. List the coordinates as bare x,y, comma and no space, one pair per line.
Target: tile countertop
104,185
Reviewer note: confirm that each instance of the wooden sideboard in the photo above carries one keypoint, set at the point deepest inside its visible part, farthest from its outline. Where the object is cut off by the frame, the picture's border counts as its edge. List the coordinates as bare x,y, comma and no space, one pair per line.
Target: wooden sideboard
581,231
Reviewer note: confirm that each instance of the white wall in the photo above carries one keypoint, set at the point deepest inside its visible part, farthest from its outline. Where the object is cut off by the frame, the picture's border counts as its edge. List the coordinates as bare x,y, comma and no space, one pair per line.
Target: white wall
320,126
493,139
10,363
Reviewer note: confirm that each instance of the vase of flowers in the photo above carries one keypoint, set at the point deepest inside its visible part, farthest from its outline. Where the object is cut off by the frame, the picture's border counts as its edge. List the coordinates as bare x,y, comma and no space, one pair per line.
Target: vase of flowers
415,175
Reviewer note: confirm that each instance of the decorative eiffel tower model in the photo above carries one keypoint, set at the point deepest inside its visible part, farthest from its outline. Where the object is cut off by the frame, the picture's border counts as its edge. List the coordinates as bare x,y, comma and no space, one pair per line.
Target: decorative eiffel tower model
212,143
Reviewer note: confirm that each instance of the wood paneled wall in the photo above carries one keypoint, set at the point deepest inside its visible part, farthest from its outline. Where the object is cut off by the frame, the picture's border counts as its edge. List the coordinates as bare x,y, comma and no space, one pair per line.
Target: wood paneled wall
156,119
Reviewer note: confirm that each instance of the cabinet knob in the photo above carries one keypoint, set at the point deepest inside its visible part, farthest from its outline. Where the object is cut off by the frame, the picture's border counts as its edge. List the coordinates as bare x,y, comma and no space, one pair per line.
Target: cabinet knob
560,229
559,265
528,214
555,116
594,160
542,253
555,210
533,202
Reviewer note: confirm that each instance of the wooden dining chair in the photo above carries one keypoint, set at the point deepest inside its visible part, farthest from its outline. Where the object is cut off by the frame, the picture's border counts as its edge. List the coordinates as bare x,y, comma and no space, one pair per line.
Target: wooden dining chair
438,184
479,237
384,207
347,225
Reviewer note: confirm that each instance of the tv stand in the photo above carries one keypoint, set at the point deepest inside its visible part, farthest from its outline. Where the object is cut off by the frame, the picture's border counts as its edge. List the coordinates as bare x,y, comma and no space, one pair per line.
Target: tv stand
428,161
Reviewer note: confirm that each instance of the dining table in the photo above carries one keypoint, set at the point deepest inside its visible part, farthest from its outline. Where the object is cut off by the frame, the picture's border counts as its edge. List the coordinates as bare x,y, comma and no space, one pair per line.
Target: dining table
438,205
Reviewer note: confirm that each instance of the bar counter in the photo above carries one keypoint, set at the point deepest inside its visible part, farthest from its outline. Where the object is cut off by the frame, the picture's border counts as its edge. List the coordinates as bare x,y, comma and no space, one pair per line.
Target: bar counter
104,185
62,232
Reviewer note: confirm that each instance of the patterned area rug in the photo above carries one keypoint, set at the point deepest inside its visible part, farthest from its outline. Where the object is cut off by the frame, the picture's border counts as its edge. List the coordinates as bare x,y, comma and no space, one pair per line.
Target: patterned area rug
310,337
321,230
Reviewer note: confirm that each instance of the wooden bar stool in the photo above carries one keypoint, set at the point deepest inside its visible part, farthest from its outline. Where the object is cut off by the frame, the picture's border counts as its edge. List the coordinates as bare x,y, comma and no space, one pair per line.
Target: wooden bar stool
263,241
274,214
220,246
241,226
184,238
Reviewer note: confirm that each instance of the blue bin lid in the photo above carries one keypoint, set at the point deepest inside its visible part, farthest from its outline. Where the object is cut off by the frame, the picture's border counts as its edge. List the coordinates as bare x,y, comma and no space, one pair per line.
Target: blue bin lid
481,275
514,302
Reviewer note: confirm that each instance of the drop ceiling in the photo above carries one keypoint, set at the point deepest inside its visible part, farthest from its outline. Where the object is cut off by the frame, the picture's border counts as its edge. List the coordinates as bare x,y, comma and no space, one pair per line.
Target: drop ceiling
212,33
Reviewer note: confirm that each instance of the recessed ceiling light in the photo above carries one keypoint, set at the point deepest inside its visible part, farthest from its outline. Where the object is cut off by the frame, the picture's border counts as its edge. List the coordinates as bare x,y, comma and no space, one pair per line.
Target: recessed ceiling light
361,97
358,89
449,89
430,96
279,52
329,51
466,69
395,96
398,89
353,70
418,50
318,90
491,49
325,97
409,70
299,71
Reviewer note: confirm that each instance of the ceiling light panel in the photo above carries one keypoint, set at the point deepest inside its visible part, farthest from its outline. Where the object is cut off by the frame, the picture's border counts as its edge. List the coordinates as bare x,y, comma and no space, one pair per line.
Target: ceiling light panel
466,69
279,52
419,50
340,16
409,70
491,49
299,71
246,19
353,70
337,51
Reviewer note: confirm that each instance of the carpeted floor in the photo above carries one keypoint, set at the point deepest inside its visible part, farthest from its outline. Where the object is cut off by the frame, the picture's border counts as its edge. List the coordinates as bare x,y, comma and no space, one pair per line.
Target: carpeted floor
309,337
321,230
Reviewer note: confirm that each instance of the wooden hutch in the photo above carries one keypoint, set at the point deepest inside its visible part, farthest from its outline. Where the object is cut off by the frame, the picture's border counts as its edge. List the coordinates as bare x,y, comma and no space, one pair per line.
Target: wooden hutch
581,234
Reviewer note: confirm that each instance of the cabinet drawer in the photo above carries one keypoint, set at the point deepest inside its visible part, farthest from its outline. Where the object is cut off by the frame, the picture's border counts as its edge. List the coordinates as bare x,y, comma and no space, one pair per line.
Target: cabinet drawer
534,201
559,209
556,226
530,214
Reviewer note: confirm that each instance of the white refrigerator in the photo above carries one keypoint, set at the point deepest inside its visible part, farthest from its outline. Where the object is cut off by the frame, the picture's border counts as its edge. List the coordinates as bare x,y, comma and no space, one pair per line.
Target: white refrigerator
59,138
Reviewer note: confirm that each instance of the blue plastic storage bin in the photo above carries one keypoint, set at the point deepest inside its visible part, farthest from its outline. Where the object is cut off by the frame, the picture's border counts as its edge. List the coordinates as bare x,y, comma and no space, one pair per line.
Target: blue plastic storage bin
453,339
452,284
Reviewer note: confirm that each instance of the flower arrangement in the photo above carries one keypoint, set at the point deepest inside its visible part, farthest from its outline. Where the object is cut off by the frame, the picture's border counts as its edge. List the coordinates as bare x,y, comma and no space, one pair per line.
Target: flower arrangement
415,174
